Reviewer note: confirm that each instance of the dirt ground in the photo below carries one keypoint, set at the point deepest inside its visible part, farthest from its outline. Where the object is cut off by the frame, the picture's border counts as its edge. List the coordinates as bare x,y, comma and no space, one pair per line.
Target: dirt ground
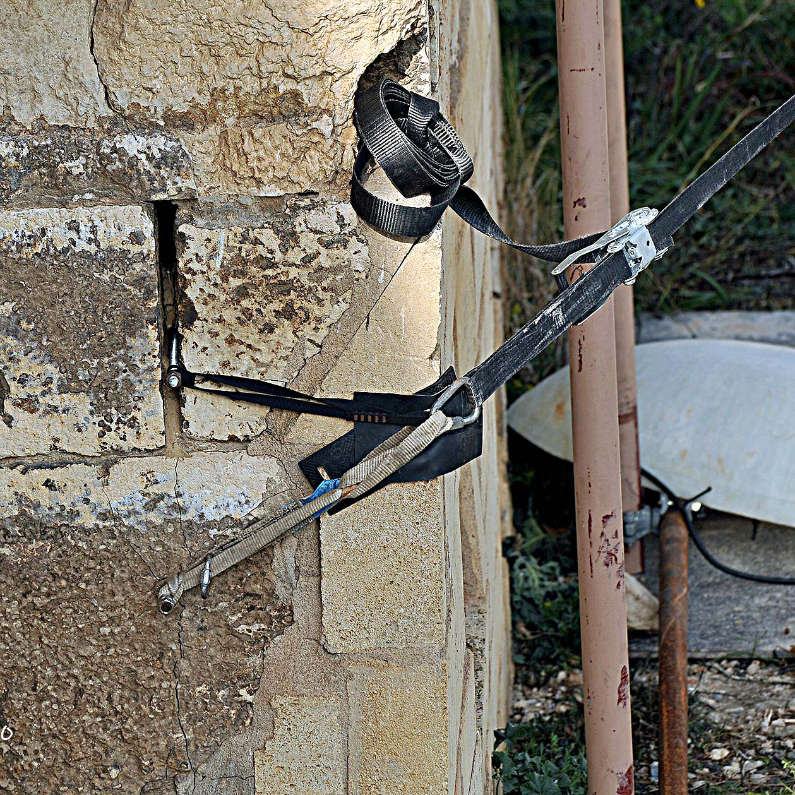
742,722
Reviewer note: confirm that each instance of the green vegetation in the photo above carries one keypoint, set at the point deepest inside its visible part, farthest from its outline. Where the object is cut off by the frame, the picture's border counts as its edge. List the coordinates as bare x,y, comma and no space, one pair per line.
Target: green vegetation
542,758
544,604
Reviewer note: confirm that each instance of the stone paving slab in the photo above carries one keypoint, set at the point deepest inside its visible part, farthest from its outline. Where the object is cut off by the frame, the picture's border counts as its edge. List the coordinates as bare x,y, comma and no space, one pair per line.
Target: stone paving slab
775,328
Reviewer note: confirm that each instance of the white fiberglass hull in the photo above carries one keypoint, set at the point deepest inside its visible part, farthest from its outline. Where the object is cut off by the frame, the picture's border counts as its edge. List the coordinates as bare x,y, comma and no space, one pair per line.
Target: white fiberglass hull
717,413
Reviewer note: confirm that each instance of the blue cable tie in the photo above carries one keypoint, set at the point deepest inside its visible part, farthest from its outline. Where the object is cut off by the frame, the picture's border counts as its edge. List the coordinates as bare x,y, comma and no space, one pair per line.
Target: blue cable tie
324,488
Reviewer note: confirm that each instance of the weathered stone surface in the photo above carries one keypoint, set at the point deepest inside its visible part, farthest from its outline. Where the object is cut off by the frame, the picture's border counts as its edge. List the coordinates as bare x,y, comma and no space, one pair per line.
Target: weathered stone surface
239,105
398,740
307,752
261,298
212,488
79,351
472,329
47,70
100,690
56,165
383,571
262,94
395,348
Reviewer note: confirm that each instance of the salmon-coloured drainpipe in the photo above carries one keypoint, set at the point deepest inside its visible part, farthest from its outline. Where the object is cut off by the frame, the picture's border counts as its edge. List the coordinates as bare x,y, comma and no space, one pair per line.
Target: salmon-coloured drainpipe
592,358
624,303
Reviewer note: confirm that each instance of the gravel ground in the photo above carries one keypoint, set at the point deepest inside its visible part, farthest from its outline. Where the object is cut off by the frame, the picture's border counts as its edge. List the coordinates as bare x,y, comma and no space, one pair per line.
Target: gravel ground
742,722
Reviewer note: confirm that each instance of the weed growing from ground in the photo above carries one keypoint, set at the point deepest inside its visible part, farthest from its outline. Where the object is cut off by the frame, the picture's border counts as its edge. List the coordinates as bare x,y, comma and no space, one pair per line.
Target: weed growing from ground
541,758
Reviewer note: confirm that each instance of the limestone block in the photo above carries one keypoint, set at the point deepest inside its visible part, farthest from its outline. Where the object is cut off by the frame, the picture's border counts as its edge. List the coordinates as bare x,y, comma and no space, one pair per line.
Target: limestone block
390,343
79,351
398,735
307,752
109,163
261,93
382,571
141,492
260,299
101,691
47,70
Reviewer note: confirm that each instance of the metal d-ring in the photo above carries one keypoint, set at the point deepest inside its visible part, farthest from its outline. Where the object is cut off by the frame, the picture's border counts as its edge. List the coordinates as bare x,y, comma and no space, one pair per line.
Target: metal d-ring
459,383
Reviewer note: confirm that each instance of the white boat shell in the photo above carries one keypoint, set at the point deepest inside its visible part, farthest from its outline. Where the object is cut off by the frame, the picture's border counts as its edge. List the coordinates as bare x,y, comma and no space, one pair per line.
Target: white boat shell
717,413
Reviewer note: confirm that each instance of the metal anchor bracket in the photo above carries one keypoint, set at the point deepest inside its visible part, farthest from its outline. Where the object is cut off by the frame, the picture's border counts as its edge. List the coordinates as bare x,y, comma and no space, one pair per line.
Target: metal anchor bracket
642,522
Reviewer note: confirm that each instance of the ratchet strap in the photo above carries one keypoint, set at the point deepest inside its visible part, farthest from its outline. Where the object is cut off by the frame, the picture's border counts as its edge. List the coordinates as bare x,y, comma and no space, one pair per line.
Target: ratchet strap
364,407
402,438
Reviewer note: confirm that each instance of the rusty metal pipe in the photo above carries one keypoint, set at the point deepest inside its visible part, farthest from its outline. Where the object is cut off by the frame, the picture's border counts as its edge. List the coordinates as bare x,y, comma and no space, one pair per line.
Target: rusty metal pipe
623,298
673,653
592,357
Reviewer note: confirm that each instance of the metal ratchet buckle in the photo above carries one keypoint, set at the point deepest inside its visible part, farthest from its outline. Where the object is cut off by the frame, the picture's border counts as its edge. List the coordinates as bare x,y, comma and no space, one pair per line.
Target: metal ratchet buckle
459,383
629,234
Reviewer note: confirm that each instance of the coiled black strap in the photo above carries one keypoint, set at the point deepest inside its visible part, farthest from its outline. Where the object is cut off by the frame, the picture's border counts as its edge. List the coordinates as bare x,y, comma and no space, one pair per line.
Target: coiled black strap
419,151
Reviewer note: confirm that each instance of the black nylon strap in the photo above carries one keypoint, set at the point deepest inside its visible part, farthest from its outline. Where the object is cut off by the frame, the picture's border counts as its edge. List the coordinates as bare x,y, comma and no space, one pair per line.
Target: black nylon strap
594,288
684,206
448,452
571,306
419,151
361,408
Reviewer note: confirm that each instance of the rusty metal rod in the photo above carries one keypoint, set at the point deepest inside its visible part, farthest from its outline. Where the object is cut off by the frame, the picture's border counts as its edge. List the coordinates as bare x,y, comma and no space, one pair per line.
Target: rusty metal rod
592,357
623,298
673,653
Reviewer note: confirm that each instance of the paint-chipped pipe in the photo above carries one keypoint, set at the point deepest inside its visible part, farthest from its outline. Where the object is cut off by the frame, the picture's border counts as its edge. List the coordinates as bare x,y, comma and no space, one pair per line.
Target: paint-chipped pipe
623,298
592,353
673,653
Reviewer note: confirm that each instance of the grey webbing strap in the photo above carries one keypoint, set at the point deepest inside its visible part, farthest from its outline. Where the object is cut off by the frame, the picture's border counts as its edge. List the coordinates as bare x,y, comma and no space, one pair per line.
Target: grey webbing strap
382,462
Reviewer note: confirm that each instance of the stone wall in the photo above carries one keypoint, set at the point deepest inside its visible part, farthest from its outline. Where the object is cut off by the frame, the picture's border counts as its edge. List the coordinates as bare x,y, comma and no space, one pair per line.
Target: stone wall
190,160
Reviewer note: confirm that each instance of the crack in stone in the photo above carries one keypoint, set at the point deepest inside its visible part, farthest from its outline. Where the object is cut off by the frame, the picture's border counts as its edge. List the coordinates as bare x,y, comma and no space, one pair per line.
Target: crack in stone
179,507
165,214
111,103
179,705
5,394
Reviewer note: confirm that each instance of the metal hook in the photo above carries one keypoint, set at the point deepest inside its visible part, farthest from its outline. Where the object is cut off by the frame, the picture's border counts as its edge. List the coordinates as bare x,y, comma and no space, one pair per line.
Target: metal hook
459,383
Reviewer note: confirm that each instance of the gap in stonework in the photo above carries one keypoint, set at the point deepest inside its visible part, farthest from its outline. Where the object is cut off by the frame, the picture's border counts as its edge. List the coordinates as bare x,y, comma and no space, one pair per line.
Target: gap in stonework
165,216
